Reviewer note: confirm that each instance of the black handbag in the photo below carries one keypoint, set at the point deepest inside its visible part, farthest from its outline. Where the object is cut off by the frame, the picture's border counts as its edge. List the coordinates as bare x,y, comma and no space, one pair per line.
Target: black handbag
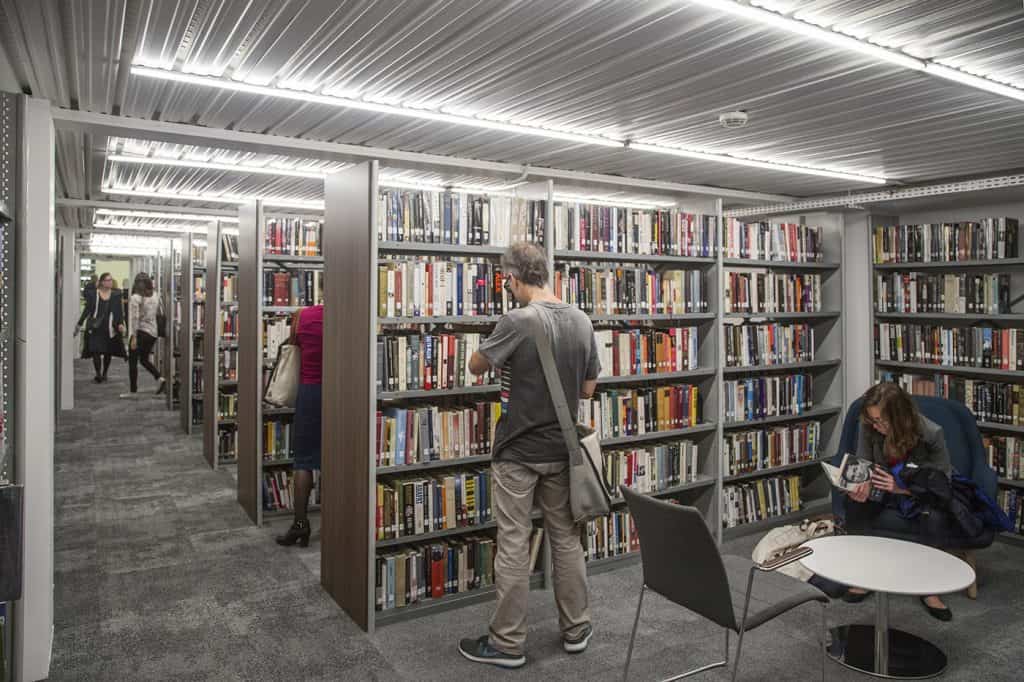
161,325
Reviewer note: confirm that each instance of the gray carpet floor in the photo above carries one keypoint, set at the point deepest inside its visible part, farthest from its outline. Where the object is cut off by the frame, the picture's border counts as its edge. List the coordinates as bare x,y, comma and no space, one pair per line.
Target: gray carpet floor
159,575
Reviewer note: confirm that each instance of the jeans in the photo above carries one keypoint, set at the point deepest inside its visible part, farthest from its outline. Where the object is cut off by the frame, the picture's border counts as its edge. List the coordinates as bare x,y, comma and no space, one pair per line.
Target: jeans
143,349
514,487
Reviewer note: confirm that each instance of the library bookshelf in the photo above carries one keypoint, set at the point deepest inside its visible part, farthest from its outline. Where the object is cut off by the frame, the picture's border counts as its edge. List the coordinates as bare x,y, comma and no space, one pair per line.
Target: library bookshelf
806,278
264,432
352,552
941,322
220,383
193,328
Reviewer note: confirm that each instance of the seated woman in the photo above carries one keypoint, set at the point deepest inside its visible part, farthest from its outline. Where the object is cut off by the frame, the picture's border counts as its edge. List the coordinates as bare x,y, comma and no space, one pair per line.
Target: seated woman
894,435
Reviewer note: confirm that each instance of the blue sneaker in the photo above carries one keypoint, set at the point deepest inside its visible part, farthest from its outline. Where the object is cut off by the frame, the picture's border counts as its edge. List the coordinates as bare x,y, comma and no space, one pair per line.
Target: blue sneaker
480,651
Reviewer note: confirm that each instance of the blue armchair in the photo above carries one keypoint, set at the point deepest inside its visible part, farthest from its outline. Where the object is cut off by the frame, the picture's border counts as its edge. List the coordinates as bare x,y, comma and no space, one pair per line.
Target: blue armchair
963,440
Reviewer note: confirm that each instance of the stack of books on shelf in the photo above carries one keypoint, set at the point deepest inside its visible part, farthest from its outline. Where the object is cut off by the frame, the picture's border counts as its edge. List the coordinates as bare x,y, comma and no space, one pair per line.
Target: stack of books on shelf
751,345
644,351
430,286
458,218
416,573
277,441
432,433
279,491
1009,500
293,289
610,536
985,239
630,231
767,396
994,402
293,237
771,292
620,290
935,344
408,507
782,242
229,247
920,292
651,469
616,413
425,362
760,500
769,448
1005,456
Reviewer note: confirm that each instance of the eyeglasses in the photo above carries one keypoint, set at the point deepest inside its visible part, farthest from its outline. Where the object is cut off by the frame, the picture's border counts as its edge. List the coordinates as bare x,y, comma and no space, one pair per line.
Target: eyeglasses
876,422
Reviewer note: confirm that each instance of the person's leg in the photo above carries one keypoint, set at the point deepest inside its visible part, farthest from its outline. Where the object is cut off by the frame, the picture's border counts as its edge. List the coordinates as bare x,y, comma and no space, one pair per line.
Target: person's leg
513,487
145,344
570,570
97,365
106,364
133,367
303,487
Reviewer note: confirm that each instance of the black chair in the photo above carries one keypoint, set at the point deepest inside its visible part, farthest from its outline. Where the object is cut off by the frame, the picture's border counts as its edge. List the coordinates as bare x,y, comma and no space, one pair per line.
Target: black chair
681,562
966,453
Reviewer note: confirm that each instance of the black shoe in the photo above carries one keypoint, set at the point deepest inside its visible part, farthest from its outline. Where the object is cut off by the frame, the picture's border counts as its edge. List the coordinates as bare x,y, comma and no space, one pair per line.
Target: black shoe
945,615
162,386
299,532
480,651
855,597
579,644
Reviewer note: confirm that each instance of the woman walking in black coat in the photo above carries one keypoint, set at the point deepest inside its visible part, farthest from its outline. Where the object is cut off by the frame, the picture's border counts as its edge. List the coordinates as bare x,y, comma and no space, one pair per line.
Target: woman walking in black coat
105,326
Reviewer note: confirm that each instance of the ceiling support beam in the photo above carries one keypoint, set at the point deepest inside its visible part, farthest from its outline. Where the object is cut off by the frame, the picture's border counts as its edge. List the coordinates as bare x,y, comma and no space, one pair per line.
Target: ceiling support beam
123,205
183,133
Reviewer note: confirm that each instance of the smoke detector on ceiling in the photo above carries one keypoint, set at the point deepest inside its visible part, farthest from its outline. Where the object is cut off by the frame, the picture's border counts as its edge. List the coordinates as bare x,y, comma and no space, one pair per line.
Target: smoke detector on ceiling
733,119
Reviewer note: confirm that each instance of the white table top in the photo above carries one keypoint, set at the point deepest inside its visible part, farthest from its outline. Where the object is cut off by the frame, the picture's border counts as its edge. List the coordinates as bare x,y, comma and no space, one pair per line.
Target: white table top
884,565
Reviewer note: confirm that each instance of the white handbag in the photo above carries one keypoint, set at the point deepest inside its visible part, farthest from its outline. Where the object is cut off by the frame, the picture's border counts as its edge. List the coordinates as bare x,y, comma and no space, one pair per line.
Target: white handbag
283,386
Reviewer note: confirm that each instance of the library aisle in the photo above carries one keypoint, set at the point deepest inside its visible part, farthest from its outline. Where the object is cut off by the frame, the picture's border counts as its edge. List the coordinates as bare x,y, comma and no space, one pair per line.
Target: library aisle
159,571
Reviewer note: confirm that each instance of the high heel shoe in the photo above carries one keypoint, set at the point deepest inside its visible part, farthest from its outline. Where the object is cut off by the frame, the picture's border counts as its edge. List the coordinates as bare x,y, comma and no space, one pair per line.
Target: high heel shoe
298,533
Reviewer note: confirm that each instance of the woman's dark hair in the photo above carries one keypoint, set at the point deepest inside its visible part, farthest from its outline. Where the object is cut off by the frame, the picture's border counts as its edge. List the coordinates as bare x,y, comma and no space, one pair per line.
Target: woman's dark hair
143,285
899,411
526,262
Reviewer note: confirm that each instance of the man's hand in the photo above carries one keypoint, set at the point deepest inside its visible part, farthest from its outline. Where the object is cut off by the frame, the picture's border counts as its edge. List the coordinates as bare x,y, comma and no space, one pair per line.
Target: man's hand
860,493
478,363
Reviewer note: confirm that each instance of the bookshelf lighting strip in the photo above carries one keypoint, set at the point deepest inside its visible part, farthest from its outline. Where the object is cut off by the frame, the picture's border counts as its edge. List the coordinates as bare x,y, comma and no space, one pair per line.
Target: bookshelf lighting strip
349,102
166,215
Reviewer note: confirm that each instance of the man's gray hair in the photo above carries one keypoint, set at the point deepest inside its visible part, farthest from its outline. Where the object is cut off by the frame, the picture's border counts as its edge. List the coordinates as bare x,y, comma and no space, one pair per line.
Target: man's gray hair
526,262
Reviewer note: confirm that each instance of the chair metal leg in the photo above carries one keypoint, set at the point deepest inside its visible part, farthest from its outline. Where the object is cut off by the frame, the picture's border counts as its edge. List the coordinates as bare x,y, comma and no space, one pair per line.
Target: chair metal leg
743,625
632,635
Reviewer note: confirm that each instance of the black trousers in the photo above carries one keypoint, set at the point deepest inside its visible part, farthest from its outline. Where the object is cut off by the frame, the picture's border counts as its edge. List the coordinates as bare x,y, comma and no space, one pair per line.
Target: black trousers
143,349
931,527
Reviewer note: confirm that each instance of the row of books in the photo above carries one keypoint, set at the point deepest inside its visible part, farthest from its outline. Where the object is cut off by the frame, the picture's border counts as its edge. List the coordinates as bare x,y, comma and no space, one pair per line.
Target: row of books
610,229
434,433
784,242
279,490
295,288
227,443
950,346
767,396
411,507
650,469
229,364
1009,500
227,405
745,452
229,248
229,324
199,316
1005,455
628,352
293,237
989,401
277,439
761,499
197,379
615,413
198,254
228,288
438,287
417,573
199,288
749,345
277,330
459,218
608,536
427,362
611,290
986,239
771,292
917,292
197,411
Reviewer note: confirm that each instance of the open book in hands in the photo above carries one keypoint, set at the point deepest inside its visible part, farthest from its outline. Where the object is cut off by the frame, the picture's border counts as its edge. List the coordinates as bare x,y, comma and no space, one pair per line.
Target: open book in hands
851,472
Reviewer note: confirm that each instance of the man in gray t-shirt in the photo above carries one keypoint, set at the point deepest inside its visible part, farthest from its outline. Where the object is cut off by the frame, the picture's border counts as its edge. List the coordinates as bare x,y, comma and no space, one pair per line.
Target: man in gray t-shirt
530,458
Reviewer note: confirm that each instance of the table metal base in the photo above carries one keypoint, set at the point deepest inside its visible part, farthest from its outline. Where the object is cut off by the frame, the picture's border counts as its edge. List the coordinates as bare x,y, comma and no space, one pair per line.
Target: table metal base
909,657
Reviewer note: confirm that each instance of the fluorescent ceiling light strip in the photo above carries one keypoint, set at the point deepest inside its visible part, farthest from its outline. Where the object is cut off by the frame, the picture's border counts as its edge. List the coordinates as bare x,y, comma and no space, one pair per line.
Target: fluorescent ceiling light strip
166,215
606,201
458,189
143,227
218,198
843,41
348,102
215,165
754,163
303,96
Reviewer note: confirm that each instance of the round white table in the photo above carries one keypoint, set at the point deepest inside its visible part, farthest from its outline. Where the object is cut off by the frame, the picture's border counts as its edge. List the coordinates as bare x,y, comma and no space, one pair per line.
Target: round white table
887,567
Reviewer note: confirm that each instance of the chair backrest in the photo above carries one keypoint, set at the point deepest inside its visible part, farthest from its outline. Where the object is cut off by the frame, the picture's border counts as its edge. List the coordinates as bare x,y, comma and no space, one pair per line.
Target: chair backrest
680,558
963,440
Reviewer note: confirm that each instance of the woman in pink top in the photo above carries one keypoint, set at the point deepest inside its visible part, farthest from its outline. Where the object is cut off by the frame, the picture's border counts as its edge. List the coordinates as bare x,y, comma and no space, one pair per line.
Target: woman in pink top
308,335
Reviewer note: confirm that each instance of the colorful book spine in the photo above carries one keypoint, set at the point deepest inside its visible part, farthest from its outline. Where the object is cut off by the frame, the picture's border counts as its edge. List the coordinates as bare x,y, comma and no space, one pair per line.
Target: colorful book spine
621,290
759,500
763,449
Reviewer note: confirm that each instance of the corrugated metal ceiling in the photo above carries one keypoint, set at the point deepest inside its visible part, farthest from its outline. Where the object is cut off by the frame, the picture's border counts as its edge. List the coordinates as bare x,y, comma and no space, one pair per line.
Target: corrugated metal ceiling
660,70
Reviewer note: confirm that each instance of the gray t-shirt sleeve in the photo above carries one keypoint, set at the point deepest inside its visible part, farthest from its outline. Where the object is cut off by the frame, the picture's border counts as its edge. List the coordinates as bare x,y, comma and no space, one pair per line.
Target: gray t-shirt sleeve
594,365
502,342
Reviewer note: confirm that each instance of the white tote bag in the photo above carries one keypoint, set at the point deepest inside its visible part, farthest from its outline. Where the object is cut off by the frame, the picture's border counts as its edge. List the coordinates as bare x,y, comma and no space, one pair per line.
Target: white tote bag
283,386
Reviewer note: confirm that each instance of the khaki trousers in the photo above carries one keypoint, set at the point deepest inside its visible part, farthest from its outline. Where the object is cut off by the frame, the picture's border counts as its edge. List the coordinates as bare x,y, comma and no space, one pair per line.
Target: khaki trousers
514,487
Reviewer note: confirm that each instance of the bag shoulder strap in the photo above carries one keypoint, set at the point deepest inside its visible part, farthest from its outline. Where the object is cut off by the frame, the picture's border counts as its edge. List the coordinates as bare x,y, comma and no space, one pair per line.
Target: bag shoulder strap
554,381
